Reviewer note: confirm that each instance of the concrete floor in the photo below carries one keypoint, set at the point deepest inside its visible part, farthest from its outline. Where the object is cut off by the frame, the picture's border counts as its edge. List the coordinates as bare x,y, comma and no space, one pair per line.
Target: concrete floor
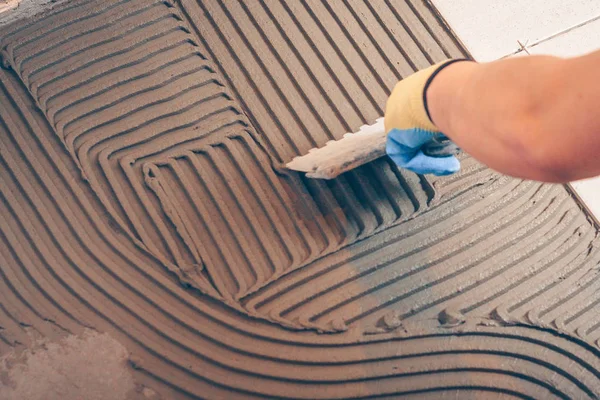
13,10
53,370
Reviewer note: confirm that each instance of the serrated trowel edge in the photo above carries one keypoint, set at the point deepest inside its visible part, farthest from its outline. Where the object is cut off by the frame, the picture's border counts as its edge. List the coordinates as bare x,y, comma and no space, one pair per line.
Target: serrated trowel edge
339,156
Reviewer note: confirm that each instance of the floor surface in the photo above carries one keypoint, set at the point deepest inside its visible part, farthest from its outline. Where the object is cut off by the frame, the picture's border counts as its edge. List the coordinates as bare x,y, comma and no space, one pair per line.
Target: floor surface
141,153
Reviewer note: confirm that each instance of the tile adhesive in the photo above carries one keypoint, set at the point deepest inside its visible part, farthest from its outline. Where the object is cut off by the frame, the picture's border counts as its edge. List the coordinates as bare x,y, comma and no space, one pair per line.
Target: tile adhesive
143,196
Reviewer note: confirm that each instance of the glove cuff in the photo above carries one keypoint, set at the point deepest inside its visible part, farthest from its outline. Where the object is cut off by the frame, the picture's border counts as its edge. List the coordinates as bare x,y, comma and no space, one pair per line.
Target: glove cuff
438,68
406,107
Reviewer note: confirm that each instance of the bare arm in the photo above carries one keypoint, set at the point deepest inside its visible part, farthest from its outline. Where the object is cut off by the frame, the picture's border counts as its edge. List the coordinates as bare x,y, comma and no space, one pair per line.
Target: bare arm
534,117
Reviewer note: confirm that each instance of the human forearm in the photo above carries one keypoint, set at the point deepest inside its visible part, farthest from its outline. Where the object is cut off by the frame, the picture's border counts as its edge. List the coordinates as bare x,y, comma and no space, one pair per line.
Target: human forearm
504,114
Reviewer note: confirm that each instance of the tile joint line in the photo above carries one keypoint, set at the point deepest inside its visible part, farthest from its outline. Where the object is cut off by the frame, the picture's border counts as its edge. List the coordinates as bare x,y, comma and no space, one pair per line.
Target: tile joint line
524,47
564,31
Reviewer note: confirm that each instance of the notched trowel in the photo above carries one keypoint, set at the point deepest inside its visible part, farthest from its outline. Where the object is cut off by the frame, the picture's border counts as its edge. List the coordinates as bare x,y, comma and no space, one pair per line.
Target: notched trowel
356,149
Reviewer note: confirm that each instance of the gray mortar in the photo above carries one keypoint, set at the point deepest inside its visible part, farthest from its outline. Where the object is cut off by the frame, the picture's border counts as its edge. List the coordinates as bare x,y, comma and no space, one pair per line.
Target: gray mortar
140,195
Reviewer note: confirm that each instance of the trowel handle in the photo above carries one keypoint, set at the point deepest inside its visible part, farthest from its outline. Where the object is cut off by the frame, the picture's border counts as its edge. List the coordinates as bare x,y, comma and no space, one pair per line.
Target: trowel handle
440,146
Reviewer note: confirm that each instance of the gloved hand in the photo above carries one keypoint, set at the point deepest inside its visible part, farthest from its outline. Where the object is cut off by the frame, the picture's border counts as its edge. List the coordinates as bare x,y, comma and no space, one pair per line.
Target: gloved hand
410,128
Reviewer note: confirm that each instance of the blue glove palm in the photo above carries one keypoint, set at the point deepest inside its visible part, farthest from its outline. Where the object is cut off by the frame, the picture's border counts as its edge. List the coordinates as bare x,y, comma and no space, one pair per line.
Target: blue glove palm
413,140
405,148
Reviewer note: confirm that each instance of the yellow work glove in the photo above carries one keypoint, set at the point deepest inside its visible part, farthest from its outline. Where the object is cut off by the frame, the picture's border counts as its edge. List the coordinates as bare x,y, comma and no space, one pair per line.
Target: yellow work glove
410,129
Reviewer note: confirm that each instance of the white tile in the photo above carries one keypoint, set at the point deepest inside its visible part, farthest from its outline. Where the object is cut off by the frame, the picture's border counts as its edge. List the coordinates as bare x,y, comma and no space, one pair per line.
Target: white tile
490,29
578,41
589,192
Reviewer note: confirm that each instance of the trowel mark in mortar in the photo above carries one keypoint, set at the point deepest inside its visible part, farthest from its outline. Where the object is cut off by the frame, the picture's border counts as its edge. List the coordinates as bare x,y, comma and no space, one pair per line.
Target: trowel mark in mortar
114,117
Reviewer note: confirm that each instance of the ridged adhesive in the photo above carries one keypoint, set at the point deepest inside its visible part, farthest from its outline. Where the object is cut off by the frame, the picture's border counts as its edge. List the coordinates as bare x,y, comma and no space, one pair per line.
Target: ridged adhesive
142,146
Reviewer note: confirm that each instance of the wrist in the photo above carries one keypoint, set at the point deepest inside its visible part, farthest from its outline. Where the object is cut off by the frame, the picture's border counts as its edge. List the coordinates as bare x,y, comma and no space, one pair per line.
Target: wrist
443,89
